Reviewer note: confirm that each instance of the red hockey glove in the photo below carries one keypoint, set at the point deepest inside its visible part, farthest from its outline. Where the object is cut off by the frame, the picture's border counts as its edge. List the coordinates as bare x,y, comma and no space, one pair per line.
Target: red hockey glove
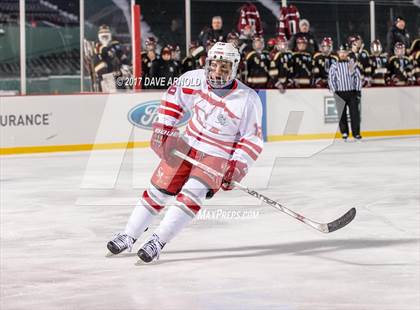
235,173
164,140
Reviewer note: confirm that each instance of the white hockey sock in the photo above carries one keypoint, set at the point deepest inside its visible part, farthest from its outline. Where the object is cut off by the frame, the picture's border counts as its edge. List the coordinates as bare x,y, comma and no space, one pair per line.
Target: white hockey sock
187,203
139,220
143,214
174,221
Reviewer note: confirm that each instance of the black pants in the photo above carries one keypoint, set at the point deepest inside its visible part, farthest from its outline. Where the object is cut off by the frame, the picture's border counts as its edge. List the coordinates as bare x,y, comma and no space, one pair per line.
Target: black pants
352,100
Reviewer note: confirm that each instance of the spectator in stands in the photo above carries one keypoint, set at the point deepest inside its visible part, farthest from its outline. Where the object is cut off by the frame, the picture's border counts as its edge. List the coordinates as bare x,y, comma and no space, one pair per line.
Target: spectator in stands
175,36
214,33
304,31
163,70
147,57
398,33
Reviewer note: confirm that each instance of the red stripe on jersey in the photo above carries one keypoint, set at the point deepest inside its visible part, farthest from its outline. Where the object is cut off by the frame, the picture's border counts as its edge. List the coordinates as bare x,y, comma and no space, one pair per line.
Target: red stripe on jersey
170,113
192,134
219,104
193,127
247,150
188,202
257,148
171,105
189,91
151,202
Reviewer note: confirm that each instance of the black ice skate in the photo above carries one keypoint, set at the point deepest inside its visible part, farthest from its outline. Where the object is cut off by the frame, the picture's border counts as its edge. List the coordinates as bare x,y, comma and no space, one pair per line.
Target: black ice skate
120,243
151,249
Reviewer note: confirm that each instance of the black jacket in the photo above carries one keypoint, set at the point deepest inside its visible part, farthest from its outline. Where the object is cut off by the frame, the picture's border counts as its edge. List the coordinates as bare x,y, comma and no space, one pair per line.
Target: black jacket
397,35
208,34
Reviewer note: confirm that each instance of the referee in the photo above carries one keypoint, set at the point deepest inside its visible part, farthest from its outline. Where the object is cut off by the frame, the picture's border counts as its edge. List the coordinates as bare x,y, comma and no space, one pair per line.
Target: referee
344,81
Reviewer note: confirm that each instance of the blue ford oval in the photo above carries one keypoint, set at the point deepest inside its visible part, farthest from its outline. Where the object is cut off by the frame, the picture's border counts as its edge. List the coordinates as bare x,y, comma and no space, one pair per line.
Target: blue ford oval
145,114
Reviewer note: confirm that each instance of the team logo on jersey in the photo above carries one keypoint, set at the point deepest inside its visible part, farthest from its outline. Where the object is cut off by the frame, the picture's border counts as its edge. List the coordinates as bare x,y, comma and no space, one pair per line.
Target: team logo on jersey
221,119
146,113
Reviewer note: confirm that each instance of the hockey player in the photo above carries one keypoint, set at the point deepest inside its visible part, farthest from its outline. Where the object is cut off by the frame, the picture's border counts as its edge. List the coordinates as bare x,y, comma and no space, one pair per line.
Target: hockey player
271,47
301,64
400,67
280,65
109,55
191,61
223,133
233,37
415,58
245,41
322,62
256,65
176,54
359,55
378,63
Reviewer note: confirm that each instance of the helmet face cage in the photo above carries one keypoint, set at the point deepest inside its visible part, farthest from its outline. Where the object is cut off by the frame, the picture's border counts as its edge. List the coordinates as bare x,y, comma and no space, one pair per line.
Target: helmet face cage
376,48
226,78
150,44
326,49
326,46
258,44
105,37
301,43
224,58
281,44
399,49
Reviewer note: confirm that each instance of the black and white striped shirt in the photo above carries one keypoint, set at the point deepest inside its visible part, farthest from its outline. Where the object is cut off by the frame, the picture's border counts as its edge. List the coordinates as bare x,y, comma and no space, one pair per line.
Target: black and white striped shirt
344,76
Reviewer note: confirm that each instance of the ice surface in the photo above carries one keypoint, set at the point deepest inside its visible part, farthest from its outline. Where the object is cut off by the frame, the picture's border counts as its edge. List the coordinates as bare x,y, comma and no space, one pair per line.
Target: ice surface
53,235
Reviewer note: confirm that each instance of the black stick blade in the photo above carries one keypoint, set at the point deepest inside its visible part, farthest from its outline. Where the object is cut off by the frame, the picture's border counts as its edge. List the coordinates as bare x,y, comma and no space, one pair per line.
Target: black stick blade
342,221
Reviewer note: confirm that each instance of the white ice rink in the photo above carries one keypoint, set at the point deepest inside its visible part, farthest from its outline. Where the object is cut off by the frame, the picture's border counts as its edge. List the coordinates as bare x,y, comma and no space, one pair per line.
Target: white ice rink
54,234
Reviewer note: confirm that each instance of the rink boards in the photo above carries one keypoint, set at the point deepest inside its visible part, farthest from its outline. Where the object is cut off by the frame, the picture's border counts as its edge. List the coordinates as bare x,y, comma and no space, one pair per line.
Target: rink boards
54,123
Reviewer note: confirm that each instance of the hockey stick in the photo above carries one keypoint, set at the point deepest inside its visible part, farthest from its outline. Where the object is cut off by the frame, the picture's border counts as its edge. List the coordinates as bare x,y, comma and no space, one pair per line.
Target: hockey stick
322,227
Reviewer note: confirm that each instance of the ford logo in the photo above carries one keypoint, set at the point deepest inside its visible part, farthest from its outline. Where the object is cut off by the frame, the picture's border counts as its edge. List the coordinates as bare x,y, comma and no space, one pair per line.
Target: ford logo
145,114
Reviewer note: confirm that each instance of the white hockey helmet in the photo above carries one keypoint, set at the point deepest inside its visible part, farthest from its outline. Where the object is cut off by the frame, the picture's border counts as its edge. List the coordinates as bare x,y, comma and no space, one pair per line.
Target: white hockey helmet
225,52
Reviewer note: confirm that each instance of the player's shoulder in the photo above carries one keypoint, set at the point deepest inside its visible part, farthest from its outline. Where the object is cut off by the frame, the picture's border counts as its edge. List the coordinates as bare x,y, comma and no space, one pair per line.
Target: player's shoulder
249,55
252,96
364,53
192,79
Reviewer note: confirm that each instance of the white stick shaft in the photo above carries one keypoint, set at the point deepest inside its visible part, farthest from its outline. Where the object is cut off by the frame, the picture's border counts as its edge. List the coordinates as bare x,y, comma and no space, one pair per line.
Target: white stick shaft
251,192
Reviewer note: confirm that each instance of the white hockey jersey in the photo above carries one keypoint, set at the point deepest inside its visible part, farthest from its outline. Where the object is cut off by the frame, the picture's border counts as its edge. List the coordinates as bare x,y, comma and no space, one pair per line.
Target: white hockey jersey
227,127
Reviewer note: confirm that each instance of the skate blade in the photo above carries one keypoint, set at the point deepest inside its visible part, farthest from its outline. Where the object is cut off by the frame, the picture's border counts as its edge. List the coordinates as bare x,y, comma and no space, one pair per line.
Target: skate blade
143,263
109,254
